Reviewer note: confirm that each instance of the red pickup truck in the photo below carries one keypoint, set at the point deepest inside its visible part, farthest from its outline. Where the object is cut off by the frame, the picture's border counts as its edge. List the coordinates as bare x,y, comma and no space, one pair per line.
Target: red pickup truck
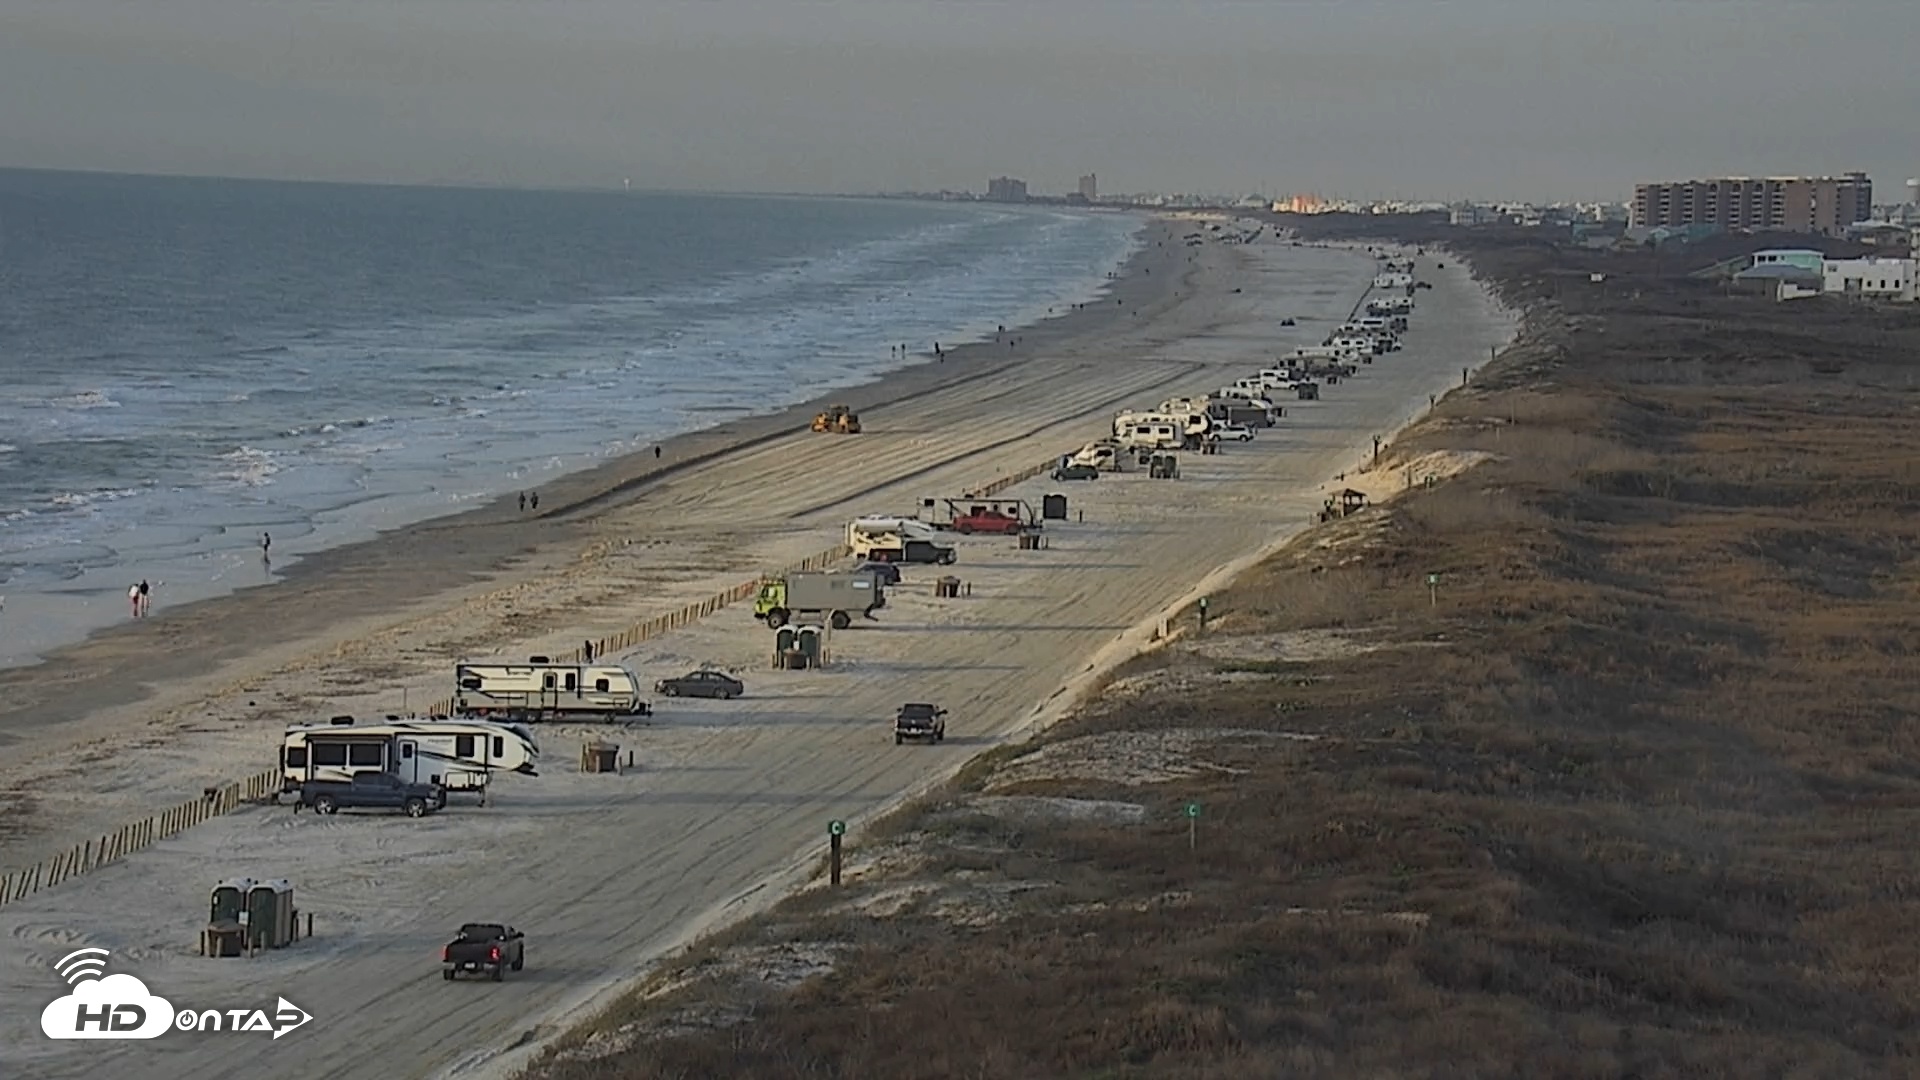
983,519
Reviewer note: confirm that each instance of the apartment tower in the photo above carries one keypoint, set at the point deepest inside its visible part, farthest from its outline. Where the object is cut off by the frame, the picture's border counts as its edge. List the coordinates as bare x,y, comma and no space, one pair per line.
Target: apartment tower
1803,204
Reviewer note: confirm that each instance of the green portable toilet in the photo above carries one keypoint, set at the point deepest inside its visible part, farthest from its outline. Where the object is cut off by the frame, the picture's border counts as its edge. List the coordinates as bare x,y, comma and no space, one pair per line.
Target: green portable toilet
230,901
270,914
807,640
783,638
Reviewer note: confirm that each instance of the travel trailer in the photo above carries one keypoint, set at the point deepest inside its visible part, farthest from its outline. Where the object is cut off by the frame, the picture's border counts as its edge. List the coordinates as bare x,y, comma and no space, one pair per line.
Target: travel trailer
459,755
1188,427
1240,393
543,690
1396,279
1150,431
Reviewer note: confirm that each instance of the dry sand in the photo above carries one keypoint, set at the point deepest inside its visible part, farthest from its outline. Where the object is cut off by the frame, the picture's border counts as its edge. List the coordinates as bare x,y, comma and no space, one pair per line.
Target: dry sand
604,872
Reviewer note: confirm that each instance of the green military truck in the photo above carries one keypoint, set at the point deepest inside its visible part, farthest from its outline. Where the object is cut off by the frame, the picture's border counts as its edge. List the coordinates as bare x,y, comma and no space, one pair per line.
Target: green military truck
832,598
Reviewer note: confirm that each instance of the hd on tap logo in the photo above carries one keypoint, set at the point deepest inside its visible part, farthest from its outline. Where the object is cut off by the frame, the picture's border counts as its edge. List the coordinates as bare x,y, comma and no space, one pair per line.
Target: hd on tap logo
102,1006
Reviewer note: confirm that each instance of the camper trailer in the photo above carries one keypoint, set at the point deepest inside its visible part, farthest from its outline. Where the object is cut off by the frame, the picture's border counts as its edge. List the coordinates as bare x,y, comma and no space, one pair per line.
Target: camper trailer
543,690
1242,394
1396,279
1102,454
896,540
459,755
1160,430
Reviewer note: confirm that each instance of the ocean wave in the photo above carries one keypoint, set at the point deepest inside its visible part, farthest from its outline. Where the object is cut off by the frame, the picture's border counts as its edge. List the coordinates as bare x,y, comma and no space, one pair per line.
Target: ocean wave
85,399
76,500
249,467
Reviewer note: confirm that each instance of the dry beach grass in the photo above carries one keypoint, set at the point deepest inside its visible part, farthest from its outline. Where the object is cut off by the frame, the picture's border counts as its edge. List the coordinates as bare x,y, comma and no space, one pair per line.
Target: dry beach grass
1627,794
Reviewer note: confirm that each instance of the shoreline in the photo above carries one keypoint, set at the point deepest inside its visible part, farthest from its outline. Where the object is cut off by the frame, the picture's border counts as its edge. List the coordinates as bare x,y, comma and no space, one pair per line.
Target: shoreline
727,793
505,535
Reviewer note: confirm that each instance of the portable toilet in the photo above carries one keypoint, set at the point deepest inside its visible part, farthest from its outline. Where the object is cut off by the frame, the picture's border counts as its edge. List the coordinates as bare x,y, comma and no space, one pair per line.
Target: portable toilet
270,914
807,640
1053,507
783,639
230,902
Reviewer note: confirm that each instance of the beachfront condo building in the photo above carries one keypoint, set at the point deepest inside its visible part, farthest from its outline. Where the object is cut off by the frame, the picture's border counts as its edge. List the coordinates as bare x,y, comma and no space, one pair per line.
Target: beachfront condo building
1006,189
1802,204
1090,187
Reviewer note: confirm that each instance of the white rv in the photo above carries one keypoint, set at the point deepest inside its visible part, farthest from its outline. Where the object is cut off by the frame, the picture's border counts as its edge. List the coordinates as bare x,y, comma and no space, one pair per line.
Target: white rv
459,755
541,689
896,539
1396,279
1102,454
1242,394
1150,431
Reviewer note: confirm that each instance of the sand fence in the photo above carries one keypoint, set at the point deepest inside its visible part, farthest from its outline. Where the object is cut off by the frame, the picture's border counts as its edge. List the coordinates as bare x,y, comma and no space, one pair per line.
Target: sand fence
260,787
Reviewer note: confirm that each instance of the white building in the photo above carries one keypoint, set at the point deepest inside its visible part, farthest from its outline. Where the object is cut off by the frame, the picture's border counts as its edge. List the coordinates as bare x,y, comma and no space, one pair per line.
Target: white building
1871,279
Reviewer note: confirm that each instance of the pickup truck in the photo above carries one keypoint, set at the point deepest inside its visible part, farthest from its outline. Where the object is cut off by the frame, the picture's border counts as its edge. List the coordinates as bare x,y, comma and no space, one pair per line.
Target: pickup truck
372,789
484,947
919,720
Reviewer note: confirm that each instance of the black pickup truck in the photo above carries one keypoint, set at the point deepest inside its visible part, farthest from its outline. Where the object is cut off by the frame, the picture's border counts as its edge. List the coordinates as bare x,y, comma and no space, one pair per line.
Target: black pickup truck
372,789
484,947
919,720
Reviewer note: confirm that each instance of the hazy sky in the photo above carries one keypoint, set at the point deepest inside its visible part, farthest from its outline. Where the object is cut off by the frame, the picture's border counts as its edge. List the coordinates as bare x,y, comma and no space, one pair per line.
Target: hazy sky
1430,98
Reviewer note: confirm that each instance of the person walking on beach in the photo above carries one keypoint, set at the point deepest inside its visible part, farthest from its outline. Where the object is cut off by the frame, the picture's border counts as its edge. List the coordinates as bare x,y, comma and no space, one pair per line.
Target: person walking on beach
146,598
656,453
523,502
533,501
586,651
266,546
133,600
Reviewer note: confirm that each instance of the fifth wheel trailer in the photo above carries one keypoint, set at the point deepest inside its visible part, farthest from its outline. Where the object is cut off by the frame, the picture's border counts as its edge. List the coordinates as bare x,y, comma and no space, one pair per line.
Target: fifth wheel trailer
459,755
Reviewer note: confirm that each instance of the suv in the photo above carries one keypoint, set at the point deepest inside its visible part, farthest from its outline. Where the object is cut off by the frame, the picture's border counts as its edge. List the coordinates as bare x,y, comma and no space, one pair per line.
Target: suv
888,573
919,720
1076,472
372,789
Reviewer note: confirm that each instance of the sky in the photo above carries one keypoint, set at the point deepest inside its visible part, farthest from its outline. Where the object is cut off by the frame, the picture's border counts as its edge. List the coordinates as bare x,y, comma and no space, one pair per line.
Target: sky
1444,99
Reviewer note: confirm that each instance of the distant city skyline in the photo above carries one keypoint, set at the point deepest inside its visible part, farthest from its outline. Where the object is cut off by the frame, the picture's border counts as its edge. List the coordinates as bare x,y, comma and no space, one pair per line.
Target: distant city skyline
1364,99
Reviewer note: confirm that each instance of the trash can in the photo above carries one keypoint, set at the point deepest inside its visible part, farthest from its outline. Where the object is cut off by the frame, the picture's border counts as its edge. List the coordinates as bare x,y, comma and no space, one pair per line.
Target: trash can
270,914
600,757
1053,507
947,587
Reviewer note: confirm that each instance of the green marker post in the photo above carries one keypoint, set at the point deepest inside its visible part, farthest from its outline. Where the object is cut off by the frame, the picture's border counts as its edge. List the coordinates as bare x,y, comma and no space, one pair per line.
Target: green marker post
1193,825
835,830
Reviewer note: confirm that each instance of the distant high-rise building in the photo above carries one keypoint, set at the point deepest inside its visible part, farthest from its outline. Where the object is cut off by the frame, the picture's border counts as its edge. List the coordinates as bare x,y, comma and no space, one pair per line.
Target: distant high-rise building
1805,204
1006,189
1090,187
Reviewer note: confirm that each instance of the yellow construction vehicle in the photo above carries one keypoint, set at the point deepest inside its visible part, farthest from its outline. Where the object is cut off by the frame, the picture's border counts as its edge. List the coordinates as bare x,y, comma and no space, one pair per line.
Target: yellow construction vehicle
838,419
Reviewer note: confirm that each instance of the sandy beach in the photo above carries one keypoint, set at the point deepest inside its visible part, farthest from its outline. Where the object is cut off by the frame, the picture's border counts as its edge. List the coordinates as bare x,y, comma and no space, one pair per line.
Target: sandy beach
604,872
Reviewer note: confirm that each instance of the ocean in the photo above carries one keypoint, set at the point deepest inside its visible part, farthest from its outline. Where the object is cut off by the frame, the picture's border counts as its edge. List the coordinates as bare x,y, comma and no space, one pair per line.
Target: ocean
186,364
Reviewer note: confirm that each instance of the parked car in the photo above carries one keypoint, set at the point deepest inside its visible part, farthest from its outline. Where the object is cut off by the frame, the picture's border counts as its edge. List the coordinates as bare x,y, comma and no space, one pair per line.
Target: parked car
1076,472
707,684
919,720
1234,432
987,520
484,947
888,573
373,790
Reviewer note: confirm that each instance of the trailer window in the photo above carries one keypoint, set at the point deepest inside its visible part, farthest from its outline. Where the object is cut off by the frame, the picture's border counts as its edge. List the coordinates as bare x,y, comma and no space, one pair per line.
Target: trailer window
366,754
463,746
602,685
330,754
572,680
547,681
406,750
499,747
296,757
